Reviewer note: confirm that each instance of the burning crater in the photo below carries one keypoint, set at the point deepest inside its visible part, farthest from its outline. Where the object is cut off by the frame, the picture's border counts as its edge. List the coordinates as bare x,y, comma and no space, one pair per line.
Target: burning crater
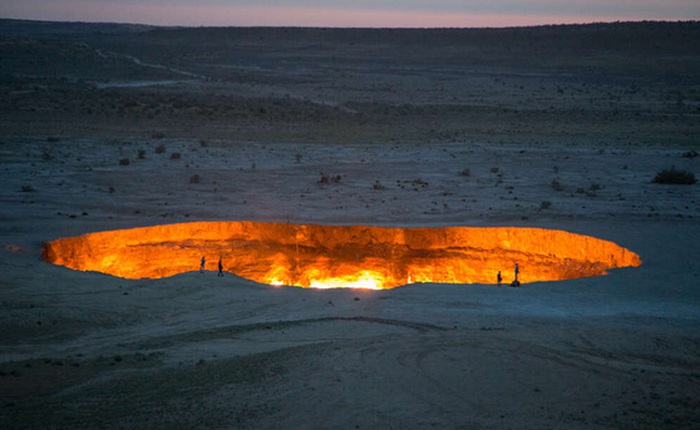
320,256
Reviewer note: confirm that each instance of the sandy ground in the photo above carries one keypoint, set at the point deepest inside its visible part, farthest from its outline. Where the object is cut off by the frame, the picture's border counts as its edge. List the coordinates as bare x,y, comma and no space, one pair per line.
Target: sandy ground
196,350
85,350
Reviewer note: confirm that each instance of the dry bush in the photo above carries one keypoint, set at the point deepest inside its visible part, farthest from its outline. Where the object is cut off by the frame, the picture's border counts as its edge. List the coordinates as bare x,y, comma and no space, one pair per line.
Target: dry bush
175,156
124,161
325,179
160,149
195,179
674,176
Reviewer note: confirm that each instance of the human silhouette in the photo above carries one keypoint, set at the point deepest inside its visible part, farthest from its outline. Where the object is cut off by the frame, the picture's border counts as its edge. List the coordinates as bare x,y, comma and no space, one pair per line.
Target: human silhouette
221,268
201,265
499,278
516,283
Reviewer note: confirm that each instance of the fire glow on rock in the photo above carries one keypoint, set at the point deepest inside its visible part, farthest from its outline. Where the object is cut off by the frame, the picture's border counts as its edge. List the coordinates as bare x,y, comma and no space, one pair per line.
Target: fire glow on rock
323,256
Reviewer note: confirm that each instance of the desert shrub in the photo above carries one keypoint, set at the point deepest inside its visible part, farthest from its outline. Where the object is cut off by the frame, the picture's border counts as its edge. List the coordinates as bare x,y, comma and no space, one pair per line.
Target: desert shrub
465,173
378,186
556,185
124,161
53,139
160,149
494,170
28,189
594,187
203,143
175,156
690,154
195,179
546,204
325,179
674,176
141,154
158,135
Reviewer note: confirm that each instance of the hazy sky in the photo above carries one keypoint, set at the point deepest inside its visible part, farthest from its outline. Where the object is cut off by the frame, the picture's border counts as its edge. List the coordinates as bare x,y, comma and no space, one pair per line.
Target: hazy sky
357,13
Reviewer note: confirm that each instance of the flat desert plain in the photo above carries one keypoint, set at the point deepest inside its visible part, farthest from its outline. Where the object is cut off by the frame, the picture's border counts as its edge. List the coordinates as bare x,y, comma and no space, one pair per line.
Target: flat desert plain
106,127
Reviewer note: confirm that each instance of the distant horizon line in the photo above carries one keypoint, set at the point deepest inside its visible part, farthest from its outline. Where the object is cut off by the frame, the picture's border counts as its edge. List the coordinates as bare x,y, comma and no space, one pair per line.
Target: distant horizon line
494,27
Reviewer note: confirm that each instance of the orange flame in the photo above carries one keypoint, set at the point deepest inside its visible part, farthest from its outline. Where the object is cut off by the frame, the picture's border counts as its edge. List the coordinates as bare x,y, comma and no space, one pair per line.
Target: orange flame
319,256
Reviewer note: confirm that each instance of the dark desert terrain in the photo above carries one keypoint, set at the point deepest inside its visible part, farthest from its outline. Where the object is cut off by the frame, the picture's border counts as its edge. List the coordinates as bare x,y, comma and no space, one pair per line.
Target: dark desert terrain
107,126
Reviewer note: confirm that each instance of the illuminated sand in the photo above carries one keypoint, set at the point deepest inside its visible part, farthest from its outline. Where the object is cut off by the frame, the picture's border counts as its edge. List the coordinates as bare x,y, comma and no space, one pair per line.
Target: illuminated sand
342,256
422,356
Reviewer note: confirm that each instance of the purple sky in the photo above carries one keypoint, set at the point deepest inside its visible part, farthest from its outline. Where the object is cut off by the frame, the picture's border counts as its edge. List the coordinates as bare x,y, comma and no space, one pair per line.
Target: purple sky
358,13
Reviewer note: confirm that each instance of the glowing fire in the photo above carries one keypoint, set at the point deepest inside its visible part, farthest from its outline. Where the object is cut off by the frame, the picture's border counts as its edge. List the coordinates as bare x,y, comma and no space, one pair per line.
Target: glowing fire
319,256
366,279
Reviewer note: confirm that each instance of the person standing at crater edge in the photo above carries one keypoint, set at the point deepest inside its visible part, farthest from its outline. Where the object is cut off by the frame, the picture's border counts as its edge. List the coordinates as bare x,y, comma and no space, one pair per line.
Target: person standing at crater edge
201,264
515,282
221,268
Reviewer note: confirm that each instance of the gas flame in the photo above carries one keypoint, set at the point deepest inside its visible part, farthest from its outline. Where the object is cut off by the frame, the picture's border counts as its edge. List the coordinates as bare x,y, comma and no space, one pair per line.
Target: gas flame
365,279
319,256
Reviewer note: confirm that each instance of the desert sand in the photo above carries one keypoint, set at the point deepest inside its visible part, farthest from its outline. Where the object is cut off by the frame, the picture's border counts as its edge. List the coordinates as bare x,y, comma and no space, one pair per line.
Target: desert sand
104,127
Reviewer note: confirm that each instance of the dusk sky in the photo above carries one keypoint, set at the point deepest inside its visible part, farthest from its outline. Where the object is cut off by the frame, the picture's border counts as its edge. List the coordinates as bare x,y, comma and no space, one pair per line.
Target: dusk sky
359,13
